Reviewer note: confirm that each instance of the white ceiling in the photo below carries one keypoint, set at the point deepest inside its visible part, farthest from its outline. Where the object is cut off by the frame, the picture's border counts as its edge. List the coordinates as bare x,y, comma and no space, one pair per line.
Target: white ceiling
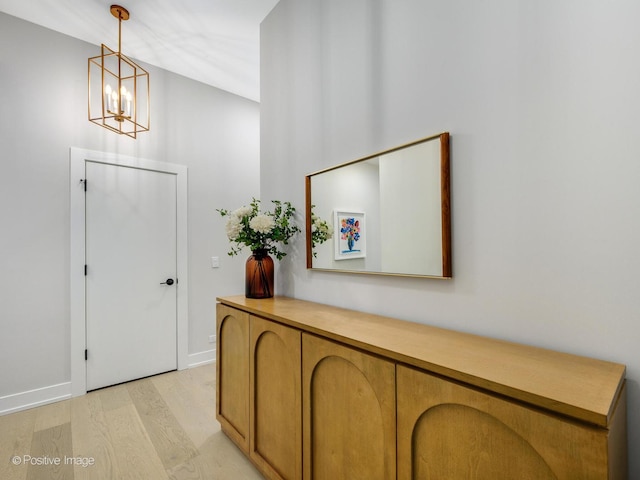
216,42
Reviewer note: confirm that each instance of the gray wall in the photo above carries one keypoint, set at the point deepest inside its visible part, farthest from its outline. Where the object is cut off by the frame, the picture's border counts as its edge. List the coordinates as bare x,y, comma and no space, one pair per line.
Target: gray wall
43,112
542,100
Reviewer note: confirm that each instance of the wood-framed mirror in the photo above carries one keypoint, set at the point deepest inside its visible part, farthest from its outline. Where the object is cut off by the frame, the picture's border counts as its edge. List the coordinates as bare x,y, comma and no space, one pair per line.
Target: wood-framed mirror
389,212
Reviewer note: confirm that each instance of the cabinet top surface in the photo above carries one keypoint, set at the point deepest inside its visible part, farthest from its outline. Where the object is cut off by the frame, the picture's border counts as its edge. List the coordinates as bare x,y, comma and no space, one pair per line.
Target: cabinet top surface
581,387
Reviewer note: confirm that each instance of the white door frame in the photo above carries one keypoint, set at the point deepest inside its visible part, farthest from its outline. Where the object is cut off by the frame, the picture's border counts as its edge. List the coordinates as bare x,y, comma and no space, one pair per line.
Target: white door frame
77,159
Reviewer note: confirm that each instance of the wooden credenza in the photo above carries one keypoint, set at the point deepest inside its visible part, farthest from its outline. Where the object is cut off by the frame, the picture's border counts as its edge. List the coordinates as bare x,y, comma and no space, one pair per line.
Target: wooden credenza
310,391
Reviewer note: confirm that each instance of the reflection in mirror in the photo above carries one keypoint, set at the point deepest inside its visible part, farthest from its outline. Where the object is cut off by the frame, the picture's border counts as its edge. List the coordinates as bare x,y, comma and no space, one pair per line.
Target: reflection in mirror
389,212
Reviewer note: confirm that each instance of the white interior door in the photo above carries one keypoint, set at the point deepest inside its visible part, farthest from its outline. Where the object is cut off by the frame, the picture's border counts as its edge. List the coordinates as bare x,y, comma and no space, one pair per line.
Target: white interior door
131,254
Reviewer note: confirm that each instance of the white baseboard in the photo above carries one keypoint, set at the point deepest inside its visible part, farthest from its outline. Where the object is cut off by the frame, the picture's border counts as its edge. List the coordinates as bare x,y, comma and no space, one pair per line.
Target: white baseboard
54,393
202,358
34,398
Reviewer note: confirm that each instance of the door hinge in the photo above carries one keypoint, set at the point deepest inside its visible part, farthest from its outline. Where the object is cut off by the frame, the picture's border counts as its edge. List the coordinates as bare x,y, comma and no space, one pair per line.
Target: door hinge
84,183
85,270
86,354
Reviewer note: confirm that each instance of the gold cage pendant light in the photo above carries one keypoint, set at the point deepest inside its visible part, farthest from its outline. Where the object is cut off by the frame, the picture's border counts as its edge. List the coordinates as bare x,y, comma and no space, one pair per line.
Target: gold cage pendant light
118,88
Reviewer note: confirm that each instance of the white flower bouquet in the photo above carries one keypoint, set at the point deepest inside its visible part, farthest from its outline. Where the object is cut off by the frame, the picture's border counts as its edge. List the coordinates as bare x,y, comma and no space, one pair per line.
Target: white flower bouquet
266,231
321,231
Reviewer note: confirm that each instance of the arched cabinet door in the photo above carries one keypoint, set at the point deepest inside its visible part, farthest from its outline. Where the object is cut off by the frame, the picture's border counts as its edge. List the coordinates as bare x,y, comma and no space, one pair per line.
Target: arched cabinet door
276,404
348,413
232,369
446,430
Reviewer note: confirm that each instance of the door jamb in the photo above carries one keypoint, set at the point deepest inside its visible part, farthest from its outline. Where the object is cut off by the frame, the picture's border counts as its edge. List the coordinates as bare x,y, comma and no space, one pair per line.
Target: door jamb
77,159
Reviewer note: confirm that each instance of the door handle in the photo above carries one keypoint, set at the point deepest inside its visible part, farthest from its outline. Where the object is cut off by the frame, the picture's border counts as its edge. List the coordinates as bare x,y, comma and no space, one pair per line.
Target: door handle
168,282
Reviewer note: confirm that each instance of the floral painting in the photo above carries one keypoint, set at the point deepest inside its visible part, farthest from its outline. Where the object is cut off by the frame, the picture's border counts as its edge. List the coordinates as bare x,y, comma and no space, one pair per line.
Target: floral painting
350,235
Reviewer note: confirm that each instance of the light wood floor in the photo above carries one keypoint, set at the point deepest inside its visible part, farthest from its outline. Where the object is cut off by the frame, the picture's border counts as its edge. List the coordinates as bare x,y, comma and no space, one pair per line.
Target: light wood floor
162,427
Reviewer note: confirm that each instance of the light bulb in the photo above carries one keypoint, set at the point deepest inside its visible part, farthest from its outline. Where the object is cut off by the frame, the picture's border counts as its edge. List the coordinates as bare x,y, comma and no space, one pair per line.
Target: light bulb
107,96
123,95
129,98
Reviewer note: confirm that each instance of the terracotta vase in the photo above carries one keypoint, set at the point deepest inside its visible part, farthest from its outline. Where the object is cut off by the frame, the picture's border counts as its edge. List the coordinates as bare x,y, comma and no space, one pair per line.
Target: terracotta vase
259,275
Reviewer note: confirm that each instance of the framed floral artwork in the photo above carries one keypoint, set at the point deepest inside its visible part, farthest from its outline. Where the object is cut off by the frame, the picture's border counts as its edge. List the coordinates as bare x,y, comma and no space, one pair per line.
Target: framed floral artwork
350,235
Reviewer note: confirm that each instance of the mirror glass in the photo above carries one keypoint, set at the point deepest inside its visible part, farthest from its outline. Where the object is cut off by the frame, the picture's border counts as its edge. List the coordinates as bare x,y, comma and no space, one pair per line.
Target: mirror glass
389,212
